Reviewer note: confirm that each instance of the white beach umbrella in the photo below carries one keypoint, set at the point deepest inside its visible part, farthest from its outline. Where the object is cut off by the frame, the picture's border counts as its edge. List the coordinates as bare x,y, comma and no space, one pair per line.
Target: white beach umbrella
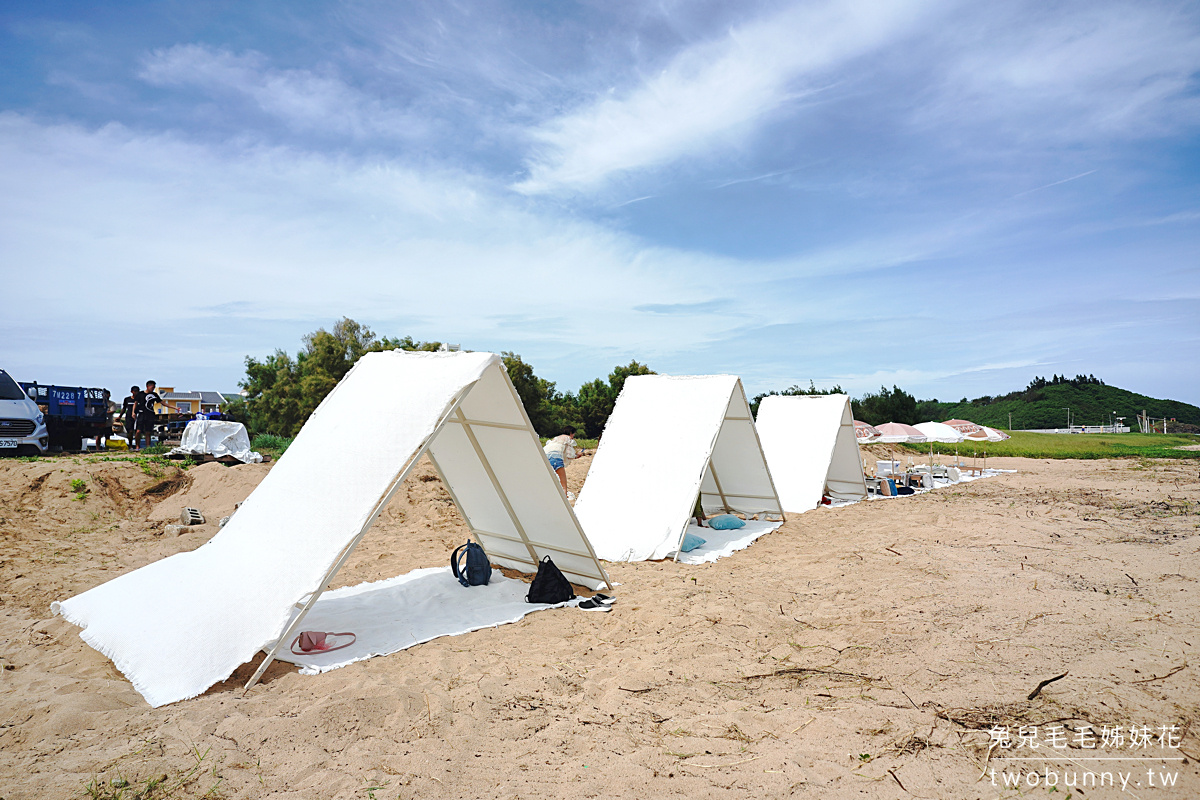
938,432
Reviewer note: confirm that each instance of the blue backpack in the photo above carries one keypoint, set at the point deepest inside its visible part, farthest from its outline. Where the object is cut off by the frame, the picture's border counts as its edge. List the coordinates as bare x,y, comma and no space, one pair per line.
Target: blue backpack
476,571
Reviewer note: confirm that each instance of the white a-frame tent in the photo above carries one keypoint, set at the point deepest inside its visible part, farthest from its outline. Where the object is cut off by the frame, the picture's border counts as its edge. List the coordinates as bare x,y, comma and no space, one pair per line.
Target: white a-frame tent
810,445
176,627
668,440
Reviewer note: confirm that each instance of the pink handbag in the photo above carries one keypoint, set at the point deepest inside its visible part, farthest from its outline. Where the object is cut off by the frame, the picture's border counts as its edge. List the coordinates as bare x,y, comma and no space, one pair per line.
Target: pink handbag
314,642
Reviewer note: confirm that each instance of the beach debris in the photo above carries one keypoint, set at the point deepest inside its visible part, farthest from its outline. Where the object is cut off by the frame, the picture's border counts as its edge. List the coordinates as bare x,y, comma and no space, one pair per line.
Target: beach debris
1181,667
1043,684
191,516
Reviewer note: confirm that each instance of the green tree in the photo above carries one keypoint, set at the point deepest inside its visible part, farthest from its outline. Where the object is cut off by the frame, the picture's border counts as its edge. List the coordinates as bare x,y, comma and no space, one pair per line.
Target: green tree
791,391
884,406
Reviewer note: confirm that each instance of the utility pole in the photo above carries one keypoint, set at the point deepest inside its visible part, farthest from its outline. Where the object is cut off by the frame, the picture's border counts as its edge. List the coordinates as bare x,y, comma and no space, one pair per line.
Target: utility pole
1010,422
1068,410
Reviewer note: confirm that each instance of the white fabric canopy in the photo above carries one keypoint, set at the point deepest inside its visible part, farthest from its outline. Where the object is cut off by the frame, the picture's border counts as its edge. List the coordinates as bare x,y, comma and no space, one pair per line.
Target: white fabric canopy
668,439
898,432
177,626
810,446
217,438
937,432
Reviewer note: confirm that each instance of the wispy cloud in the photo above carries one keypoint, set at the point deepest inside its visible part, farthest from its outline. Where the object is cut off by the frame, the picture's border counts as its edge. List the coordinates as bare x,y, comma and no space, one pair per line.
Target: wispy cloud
1101,70
680,308
986,190
303,99
302,239
709,94
1055,183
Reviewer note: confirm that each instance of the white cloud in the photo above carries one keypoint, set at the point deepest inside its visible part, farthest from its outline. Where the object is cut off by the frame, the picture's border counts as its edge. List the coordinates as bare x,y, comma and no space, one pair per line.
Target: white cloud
711,93
1087,72
303,99
184,238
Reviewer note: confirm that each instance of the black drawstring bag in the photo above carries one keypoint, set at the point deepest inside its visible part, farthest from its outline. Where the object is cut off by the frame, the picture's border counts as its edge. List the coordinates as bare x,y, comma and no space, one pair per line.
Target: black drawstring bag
549,585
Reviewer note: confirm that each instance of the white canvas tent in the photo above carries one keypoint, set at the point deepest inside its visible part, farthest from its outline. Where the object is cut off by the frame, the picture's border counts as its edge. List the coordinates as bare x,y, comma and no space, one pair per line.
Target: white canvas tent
669,439
178,626
810,447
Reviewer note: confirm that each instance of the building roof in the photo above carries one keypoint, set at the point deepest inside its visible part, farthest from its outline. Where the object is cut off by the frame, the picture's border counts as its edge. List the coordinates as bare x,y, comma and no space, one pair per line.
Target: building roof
208,398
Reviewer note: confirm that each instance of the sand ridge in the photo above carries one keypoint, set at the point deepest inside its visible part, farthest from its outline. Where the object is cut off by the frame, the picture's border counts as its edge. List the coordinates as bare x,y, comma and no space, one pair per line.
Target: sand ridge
861,651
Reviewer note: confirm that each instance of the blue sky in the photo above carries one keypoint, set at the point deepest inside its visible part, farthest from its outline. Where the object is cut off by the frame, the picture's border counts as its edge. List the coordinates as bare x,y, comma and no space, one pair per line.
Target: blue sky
949,196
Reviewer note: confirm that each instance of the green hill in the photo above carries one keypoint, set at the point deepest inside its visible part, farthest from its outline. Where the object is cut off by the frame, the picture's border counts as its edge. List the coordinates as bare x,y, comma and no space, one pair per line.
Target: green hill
1043,405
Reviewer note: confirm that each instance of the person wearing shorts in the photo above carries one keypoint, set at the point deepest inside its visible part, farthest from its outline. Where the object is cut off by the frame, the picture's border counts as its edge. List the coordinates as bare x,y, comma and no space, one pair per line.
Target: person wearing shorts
129,413
559,451
145,410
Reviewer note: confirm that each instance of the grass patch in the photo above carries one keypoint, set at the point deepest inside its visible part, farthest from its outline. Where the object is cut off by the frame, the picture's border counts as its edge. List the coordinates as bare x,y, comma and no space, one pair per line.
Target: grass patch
269,444
163,787
1074,445
152,465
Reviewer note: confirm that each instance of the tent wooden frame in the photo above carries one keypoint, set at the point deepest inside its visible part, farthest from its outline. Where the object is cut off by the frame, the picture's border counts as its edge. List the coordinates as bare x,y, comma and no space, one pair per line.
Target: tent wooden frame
711,470
453,415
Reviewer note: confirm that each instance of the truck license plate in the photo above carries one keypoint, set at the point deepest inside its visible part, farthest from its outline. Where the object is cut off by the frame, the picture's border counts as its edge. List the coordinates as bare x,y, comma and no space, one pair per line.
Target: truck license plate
7,443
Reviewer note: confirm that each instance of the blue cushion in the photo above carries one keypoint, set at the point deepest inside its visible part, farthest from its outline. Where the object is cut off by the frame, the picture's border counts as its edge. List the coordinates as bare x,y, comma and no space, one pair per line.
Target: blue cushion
691,541
726,522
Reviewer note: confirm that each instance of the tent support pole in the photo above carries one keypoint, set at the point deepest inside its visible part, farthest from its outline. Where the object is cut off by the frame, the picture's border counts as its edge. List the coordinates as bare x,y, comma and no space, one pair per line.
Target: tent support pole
758,441
506,538
724,502
554,476
487,467
683,533
750,497
349,548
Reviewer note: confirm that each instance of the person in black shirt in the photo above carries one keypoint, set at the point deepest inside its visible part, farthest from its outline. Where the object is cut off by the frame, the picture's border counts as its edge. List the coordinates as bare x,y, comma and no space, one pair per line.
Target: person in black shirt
144,403
129,414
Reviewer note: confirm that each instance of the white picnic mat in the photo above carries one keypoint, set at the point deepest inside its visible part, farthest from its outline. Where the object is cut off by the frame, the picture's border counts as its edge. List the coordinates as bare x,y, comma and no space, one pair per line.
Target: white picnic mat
718,544
394,614
987,473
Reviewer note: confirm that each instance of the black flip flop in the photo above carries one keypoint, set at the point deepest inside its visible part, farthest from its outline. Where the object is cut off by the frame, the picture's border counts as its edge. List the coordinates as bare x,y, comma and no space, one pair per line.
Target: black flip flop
591,604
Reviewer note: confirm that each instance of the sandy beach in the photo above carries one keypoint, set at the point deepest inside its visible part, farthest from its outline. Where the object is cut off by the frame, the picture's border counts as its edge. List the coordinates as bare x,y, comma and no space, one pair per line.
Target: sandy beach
865,651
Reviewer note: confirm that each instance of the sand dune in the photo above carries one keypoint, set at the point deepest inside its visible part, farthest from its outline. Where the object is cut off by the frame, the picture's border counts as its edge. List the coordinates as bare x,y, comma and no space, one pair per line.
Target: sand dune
862,651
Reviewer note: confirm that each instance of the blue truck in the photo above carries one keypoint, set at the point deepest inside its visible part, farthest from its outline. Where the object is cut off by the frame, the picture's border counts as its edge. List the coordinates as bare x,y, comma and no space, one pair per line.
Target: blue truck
73,413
